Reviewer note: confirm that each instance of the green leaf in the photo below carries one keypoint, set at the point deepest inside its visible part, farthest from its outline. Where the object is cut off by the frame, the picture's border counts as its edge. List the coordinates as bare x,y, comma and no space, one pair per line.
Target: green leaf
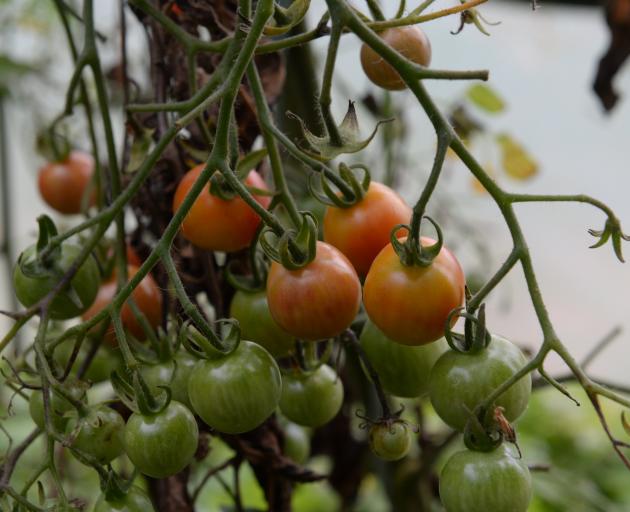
485,98
249,162
516,161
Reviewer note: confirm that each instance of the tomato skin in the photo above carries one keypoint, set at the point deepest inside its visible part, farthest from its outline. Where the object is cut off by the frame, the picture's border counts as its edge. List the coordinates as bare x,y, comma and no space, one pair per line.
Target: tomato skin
253,315
409,41
238,392
311,399
362,230
162,444
390,441
147,297
411,304
175,374
103,364
215,224
461,380
484,481
30,290
59,406
403,371
63,184
136,500
99,434
297,443
317,301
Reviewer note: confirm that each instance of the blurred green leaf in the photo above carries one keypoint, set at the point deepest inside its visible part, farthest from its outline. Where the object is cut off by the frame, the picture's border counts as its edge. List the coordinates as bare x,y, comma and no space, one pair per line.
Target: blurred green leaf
485,98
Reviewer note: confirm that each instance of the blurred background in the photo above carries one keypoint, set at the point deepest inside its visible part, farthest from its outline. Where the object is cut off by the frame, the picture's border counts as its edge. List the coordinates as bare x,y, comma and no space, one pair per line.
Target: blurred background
538,127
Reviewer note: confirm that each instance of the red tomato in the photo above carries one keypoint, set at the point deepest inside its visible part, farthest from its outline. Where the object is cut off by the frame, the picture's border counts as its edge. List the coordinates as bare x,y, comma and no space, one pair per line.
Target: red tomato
361,231
215,224
63,184
147,297
411,304
317,301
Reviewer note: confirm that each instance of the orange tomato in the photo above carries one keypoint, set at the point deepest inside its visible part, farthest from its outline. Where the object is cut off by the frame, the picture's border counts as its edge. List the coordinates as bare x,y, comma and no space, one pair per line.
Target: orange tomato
63,184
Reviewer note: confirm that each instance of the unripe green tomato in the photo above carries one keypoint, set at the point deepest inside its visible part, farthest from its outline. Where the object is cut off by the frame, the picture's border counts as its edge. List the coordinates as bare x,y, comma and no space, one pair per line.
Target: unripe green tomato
174,374
485,481
104,362
237,392
460,381
136,500
31,289
313,398
253,315
390,440
59,406
403,370
99,434
297,443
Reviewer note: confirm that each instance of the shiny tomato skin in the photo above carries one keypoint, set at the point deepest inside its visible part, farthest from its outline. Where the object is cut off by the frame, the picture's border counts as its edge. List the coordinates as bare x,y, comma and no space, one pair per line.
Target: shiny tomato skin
99,434
215,224
460,381
317,301
403,371
390,441
253,315
237,392
411,304
409,41
297,442
311,399
136,500
162,444
147,297
63,184
174,374
494,481
362,230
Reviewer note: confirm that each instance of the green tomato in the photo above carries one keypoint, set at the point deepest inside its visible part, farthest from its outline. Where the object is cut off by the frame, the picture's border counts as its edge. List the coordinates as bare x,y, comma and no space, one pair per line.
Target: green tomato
390,440
237,392
59,406
31,289
136,500
313,398
460,381
297,443
162,444
403,370
105,361
484,481
252,312
174,374
99,433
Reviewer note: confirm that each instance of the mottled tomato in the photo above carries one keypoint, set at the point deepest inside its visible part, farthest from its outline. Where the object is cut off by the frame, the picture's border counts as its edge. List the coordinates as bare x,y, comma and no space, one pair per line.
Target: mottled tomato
403,371
253,315
147,297
237,392
362,230
311,399
297,443
63,185
215,224
162,444
31,288
411,304
484,481
59,405
136,500
411,42
99,433
317,301
174,374
460,381
390,440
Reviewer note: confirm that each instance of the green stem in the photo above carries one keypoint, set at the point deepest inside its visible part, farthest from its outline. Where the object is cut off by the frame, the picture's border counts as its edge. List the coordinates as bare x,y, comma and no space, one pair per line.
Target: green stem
325,99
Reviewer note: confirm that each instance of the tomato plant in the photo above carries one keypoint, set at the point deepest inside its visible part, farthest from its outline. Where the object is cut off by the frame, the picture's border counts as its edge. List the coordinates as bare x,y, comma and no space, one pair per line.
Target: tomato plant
461,380
312,398
297,442
235,393
64,185
363,229
411,304
104,362
410,41
99,433
174,374
474,481
317,301
134,500
390,440
216,224
161,444
59,406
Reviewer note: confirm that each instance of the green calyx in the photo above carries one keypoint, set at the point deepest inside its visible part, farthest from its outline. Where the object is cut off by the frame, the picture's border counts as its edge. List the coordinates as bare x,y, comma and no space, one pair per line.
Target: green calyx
351,194
202,348
612,231
410,251
137,395
481,433
294,249
475,338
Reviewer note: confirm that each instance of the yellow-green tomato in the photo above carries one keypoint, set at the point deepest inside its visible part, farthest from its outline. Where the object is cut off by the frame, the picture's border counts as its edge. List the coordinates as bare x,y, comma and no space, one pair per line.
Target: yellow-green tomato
390,440
297,442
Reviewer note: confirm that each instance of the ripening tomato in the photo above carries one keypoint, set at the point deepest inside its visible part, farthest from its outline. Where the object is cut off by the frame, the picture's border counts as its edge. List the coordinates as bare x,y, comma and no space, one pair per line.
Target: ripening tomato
411,304
64,184
147,297
390,440
460,381
483,481
362,230
317,301
99,433
410,41
215,224
136,500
